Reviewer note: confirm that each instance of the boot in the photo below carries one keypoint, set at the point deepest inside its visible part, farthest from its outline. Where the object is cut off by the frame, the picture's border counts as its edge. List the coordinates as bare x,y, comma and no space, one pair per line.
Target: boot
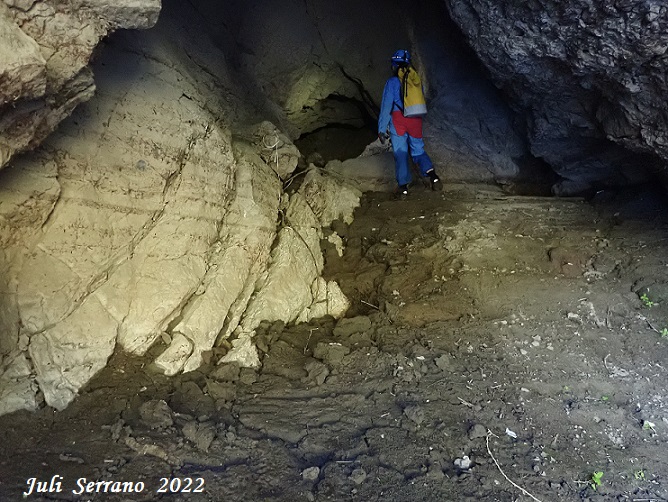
402,193
435,181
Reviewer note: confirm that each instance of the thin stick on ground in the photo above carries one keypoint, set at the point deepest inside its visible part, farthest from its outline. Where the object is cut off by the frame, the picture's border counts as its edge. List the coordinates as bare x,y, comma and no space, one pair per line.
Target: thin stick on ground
489,433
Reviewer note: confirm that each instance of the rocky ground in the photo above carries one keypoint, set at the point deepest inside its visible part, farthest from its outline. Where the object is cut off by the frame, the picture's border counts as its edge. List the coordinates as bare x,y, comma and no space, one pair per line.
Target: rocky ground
499,348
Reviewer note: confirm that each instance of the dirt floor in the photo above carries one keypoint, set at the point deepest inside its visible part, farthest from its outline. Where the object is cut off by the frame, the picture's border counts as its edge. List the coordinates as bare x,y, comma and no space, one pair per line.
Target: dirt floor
498,346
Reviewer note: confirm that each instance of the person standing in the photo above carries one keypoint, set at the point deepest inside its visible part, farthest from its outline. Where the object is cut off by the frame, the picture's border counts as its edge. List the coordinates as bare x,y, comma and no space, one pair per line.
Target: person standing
400,120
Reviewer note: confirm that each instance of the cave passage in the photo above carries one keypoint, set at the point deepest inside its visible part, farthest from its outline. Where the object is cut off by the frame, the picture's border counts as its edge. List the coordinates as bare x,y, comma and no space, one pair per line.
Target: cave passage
184,299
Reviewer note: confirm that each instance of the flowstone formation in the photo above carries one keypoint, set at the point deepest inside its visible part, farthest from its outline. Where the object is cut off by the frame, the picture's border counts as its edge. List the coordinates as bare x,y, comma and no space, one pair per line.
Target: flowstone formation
590,77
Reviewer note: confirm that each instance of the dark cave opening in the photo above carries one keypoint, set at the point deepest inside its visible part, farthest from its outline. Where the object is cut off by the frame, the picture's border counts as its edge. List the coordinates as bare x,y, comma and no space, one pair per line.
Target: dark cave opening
343,139
334,142
471,111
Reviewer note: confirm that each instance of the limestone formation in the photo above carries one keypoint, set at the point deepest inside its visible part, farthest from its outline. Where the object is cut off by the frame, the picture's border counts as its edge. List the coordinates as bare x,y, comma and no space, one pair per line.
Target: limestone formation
120,228
292,288
165,210
589,76
45,50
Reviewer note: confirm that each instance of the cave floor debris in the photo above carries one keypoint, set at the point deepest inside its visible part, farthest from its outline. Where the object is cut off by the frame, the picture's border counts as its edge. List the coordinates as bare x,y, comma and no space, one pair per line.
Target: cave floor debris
490,335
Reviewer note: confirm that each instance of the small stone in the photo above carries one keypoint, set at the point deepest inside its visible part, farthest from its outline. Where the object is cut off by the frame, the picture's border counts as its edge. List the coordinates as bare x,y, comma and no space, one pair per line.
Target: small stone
477,431
228,372
317,372
248,376
442,362
202,435
221,391
331,353
156,414
311,474
463,463
358,476
349,326
414,414
70,458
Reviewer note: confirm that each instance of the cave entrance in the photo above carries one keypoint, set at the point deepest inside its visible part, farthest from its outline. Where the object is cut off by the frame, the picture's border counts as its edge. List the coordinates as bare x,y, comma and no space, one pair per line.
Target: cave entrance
341,139
334,142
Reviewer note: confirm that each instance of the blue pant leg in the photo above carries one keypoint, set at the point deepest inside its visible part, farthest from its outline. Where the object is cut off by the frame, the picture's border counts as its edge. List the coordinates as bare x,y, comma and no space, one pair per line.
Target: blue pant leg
400,147
420,157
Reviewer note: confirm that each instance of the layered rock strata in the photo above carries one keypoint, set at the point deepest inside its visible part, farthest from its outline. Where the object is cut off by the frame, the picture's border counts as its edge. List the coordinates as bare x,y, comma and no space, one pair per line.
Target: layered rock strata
123,230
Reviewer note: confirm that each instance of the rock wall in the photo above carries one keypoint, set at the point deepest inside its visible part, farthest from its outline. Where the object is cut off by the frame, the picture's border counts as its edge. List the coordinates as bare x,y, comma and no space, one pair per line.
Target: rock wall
590,77
302,65
316,62
151,215
45,49
158,211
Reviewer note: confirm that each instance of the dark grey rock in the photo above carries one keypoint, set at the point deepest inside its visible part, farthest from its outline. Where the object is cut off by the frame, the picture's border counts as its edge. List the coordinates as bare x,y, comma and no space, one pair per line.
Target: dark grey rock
190,399
349,326
156,414
317,372
202,435
477,431
415,414
588,76
331,353
228,372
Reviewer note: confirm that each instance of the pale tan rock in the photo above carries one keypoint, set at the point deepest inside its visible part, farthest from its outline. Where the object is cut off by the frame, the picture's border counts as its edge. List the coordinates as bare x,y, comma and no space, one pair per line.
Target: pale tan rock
118,227
22,66
69,354
367,173
170,362
128,14
238,258
329,198
243,351
44,64
18,389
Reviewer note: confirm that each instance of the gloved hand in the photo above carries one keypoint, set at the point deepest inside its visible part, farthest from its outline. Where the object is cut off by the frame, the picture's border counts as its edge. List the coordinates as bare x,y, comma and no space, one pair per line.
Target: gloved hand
383,137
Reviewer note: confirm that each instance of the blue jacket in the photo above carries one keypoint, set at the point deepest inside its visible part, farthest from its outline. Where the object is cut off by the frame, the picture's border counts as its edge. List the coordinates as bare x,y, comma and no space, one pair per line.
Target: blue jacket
391,101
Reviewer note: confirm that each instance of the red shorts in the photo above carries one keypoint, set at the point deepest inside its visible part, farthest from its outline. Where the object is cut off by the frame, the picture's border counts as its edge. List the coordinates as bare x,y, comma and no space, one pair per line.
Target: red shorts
410,125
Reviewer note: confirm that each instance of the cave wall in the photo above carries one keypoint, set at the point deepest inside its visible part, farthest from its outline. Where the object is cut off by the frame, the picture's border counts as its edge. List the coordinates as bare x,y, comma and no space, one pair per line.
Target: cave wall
155,214
589,76
45,48
292,60
299,53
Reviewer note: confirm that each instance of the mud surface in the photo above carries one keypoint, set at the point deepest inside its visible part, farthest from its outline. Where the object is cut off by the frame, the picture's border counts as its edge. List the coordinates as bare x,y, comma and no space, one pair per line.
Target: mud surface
490,335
